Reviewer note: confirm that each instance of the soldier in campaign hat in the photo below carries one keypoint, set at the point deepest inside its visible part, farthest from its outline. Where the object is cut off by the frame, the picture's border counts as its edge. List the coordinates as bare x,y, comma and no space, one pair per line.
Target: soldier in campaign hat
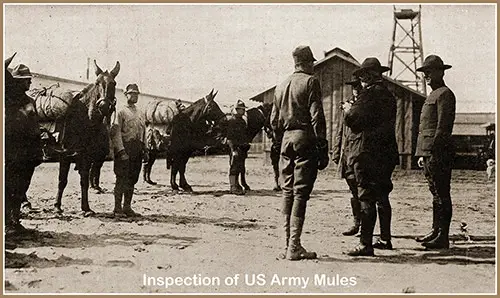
238,144
375,154
342,155
435,149
297,118
23,150
128,134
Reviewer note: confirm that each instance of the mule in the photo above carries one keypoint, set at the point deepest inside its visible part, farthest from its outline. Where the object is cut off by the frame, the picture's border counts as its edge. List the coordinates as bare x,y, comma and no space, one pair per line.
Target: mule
83,136
190,131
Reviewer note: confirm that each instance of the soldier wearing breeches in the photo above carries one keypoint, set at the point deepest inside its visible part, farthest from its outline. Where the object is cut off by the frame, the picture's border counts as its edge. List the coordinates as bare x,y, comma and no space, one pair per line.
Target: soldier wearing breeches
436,150
128,137
237,141
23,148
297,118
372,121
342,156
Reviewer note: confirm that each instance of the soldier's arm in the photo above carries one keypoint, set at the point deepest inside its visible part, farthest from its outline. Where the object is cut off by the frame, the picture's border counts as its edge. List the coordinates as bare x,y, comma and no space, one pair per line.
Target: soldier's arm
116,133
363,114
446,116
316,109
274,119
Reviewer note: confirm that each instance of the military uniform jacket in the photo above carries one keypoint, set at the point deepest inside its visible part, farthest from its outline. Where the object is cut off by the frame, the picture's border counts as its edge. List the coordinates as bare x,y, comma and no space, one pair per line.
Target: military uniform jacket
22,132
298,105
372,120
436,122
236,132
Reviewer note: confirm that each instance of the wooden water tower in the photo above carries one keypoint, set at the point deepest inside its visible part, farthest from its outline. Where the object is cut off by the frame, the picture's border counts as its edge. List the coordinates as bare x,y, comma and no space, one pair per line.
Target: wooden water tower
407,53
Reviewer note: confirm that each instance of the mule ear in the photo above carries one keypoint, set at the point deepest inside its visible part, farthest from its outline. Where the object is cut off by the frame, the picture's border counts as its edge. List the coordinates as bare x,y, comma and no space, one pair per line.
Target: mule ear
114,72
9,60
98,70
215,94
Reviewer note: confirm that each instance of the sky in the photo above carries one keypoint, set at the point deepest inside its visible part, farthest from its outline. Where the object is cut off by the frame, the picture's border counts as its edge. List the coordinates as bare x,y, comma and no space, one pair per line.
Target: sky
185,50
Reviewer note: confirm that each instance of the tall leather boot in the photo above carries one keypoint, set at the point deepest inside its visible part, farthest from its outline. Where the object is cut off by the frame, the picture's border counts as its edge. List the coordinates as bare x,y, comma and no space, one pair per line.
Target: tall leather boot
295,250
118,211
127,203
233,188
356,210
436,214
368,220
442,241
286,227
147,175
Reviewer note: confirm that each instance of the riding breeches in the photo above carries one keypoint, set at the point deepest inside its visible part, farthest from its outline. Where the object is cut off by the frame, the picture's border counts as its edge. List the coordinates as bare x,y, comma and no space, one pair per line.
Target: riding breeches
298,164
17,182
127,171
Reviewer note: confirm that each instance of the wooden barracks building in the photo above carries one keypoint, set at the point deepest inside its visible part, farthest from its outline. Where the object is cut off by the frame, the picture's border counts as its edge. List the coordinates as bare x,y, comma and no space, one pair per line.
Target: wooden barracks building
333,71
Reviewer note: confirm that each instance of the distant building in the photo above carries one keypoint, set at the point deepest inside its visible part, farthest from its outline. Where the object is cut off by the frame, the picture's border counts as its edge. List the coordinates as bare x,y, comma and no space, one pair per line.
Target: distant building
333,71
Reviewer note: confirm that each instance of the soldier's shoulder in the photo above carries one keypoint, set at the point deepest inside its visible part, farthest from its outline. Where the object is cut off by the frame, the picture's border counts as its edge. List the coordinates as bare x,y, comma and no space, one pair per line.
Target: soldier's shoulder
443,92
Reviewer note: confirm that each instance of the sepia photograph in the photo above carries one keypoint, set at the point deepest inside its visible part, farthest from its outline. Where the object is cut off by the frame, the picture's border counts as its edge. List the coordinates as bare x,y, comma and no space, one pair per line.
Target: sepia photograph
249,148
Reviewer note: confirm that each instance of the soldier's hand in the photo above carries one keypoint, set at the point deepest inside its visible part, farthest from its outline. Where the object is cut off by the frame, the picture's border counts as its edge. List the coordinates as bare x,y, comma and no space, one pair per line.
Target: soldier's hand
122,155
420,162
346,106
235,153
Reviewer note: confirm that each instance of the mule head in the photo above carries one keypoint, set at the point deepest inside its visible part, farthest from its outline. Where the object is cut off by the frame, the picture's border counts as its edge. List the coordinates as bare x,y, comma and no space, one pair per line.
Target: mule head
10,82
212,112
106,86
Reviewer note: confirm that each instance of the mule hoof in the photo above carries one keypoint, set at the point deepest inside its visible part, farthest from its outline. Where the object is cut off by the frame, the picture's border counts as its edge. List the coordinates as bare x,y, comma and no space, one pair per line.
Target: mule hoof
246,187
88,213
58,210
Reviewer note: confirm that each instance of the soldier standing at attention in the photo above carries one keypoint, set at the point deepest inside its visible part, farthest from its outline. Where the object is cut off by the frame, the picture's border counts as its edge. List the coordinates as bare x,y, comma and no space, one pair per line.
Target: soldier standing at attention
436,150
342,156
128,135
298,115
372,120
237,141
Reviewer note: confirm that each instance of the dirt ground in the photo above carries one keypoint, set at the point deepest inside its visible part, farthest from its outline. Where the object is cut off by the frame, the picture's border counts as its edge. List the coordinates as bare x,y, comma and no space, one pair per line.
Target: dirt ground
212,241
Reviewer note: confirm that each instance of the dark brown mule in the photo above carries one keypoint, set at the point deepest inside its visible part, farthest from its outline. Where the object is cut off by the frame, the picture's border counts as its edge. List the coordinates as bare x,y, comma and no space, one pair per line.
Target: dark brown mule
83,128
189,133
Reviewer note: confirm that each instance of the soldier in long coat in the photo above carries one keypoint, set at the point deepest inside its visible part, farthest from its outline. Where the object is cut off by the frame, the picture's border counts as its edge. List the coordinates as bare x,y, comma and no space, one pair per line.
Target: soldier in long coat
436,150
372,119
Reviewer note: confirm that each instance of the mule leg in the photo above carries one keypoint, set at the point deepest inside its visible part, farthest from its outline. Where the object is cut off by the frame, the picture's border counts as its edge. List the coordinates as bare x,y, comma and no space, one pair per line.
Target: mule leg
84,185
243,177
64,166
173,174
182,179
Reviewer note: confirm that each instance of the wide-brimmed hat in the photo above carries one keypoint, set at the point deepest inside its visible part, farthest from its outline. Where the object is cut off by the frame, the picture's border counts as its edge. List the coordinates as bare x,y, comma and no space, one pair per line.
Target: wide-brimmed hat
303,54
21,71
371,64
354,81
240,105
132,88
433,62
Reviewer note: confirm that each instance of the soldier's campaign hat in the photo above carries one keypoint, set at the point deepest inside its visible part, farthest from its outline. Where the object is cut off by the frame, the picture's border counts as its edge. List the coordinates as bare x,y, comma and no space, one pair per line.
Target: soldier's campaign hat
303,54
240,105
354,81
21,72
132,88
433,62
371,64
